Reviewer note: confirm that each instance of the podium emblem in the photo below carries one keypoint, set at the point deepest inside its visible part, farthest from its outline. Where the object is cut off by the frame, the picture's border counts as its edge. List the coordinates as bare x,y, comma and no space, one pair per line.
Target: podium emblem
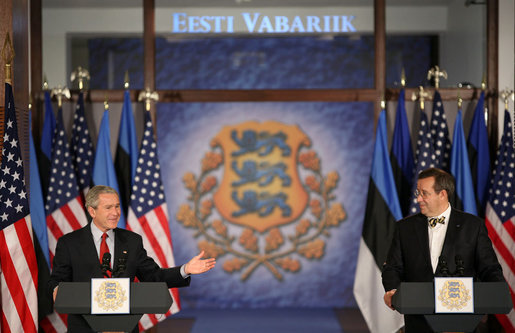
454,295
110,296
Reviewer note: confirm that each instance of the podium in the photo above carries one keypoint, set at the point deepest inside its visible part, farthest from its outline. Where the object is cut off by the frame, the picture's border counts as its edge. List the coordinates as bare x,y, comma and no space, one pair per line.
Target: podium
419,298
145,297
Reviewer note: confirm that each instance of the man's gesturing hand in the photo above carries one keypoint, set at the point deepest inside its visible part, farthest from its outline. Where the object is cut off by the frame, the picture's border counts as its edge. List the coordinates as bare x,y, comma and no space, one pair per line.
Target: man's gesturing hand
197,265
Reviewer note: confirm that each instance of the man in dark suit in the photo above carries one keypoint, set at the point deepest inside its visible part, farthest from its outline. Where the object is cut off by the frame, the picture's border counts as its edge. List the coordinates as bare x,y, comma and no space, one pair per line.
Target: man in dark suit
420,243
77,255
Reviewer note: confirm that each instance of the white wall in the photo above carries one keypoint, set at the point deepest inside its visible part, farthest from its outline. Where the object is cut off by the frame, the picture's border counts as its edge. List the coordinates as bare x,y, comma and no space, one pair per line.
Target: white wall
462,49
506,55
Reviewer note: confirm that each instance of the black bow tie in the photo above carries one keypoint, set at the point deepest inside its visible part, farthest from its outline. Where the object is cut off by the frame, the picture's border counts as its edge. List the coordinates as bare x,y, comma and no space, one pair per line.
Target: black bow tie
432,221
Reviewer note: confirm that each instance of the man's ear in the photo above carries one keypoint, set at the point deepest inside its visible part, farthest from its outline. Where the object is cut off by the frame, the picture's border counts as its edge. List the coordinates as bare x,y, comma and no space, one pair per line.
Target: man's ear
91,212
444,194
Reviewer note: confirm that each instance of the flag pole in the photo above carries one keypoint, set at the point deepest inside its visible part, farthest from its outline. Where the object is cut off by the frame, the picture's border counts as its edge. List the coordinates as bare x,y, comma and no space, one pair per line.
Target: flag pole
8,47
80,75
436,73
148,96
421,96
60,92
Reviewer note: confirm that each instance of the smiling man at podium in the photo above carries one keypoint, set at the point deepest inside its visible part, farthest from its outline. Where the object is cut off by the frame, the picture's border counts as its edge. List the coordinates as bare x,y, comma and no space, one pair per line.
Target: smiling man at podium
423,243
85,253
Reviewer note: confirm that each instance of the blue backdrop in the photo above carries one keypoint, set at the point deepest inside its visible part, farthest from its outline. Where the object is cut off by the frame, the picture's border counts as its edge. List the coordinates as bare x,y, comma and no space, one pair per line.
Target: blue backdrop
341,135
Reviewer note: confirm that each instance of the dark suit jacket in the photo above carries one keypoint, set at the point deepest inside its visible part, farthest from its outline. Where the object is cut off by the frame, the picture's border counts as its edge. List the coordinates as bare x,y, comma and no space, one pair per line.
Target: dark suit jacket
409,259
76,260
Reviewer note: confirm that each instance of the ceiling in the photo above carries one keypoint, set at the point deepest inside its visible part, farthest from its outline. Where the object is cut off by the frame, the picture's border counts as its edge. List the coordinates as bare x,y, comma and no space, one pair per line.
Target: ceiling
235,3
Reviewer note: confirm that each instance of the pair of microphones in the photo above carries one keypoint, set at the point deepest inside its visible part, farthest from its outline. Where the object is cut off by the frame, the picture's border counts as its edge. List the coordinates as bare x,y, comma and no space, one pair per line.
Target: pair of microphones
444,269
120,266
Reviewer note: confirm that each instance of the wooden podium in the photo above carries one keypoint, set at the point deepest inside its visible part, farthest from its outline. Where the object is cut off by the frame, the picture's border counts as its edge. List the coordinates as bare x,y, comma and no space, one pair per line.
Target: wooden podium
419,298
145,297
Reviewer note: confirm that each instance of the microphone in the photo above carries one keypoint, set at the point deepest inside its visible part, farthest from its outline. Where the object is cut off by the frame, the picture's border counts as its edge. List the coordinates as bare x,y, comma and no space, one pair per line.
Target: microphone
106,263
460,266
121,264
442,263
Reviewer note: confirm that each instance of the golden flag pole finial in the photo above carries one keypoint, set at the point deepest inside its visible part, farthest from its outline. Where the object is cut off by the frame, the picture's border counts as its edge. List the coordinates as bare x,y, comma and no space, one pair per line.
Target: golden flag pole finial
148,96
505,95
483,83
45,82
8,47
126,80
421,96
403,77
436,73
81,75
460,100
60,92
106,104
383,102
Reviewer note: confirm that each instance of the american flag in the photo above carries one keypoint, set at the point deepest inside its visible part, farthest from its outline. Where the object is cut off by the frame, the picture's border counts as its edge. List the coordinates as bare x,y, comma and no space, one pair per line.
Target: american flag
148,214
500,214
81,147
19,275
425,157
64,208
440,134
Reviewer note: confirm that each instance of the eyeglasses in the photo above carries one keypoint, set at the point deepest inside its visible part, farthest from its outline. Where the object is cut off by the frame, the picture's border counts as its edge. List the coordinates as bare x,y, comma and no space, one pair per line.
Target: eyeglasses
424,194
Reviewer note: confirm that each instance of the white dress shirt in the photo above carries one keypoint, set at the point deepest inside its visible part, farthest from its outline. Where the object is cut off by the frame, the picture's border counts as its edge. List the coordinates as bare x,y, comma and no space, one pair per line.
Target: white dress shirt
97,238
437,237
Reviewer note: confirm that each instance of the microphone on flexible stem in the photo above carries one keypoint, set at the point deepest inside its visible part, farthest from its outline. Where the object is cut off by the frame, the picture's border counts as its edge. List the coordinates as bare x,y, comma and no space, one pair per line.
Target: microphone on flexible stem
442,263
106,263
121,264
460,266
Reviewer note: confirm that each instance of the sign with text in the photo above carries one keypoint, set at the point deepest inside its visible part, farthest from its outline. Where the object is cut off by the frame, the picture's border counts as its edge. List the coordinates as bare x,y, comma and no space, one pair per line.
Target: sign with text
110,296
454,295
260,24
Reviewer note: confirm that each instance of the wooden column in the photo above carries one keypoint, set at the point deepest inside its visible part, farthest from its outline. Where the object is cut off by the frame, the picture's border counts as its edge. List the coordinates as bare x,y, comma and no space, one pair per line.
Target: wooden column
36,67
492,70
380,54
149,51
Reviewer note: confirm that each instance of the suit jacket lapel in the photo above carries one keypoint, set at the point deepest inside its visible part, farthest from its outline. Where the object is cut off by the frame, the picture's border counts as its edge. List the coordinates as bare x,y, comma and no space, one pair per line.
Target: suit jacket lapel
120,245
448,250
422,237
90,251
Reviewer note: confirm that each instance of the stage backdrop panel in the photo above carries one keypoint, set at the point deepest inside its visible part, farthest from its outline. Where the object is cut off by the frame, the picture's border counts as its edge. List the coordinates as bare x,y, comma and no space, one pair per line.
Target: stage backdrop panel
308,62
276,191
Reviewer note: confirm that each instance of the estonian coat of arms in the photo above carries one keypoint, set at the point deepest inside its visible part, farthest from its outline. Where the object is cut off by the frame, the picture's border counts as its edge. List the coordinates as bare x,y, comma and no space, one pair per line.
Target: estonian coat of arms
272,203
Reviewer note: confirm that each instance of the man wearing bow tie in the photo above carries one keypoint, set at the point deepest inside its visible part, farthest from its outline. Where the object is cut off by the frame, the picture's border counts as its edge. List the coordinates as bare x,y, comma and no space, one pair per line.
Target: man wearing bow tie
438,231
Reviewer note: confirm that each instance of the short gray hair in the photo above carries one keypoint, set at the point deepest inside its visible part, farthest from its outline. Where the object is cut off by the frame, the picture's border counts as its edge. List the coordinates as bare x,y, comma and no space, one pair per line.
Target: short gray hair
443,180
94,192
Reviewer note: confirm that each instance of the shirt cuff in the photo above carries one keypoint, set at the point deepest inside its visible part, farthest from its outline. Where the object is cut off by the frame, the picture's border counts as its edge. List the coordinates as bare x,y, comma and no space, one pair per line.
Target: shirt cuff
183,272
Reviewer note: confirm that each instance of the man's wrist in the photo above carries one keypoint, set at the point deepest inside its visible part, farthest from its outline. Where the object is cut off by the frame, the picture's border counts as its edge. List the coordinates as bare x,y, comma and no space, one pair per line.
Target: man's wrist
183,272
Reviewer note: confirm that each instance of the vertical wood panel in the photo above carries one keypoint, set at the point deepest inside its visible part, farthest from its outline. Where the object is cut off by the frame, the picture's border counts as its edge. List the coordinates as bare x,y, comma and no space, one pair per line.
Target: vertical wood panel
20,26
36,66
149,52
380,54
492,70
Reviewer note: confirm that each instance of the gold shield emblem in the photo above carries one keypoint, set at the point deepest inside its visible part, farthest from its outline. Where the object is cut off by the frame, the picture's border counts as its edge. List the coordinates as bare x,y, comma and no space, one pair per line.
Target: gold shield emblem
261,187
275,212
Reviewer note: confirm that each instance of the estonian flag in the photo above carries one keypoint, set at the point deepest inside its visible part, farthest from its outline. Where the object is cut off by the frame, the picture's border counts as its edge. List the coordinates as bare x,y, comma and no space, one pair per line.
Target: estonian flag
382,212
103,168
460,169
126,157
479,155
45,149
401,156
